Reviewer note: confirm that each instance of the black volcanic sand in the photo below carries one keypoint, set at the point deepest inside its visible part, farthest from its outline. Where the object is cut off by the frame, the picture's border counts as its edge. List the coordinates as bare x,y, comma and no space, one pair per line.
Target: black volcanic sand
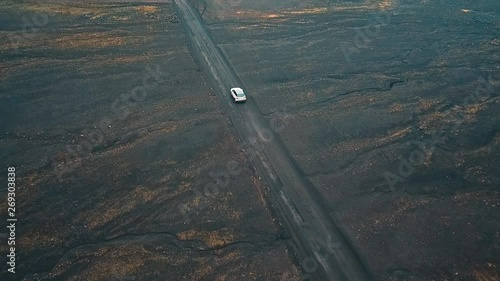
115,183
426,72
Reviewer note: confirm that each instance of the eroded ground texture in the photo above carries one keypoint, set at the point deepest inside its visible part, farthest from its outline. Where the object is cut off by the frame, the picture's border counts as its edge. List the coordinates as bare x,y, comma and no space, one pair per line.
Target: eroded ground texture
120,149
394,108
394,118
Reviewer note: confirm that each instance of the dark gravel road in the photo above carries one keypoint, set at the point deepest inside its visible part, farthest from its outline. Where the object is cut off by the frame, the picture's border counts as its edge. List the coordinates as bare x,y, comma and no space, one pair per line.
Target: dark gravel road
319,242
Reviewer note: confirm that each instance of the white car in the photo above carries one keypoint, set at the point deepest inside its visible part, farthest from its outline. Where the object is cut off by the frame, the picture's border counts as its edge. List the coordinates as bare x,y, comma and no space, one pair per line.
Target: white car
238,95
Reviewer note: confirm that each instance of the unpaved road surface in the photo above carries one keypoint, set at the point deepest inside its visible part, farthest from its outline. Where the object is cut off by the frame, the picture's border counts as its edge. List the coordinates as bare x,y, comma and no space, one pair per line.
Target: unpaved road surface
321,246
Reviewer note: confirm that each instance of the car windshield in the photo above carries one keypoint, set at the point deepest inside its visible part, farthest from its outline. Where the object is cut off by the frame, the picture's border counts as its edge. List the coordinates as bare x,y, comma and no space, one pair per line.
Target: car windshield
240,94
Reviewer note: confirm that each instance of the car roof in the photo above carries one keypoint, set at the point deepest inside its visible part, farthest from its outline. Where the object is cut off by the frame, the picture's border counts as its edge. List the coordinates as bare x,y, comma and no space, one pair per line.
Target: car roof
238,90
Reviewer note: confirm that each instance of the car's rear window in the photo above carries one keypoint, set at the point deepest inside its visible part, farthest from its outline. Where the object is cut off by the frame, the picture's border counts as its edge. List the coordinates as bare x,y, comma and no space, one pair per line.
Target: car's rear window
240,94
